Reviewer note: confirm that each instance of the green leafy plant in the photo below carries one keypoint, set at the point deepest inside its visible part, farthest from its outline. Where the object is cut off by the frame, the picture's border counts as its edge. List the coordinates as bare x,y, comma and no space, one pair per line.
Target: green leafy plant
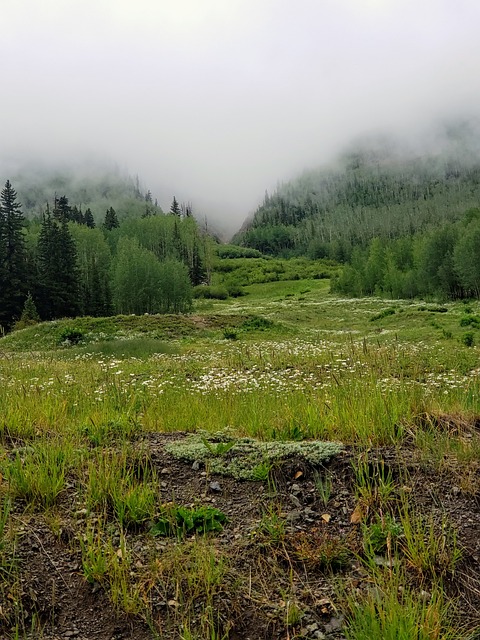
180,521
381,535
218,448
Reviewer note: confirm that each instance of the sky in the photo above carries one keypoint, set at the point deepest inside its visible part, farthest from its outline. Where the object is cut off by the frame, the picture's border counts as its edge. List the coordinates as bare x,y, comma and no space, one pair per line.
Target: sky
217,101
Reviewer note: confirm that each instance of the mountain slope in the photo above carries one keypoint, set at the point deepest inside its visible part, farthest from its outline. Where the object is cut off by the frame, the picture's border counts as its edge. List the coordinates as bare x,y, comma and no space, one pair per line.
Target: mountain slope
378,189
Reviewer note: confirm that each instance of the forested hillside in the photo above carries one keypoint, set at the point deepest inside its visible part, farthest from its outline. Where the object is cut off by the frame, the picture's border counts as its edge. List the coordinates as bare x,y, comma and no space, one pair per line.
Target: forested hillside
64,263
94,186
374,191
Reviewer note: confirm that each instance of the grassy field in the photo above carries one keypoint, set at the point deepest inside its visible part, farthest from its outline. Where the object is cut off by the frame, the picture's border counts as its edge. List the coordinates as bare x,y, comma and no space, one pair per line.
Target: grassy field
83,400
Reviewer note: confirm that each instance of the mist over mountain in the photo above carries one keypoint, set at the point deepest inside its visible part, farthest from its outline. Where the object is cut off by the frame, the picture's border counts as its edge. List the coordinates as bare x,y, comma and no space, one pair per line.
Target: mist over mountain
378,186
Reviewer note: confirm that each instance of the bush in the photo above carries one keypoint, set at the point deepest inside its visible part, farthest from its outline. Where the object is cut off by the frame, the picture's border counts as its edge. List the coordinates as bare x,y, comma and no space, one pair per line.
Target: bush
257,323
468,339
383,314
70,335
470,321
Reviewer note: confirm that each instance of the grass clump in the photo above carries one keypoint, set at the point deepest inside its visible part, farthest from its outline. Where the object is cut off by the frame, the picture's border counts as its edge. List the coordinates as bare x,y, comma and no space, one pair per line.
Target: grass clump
122,487
38,474
391,610
246,458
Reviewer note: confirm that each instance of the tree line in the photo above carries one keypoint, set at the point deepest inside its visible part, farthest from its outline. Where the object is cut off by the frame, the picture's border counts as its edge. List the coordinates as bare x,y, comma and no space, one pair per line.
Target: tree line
326,213
63,265
442,263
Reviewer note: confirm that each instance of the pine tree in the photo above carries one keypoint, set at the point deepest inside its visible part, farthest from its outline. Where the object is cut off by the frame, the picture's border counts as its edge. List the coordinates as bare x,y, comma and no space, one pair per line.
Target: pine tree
111,220
29,314
88,219
175,207
62,210
13,257
58,294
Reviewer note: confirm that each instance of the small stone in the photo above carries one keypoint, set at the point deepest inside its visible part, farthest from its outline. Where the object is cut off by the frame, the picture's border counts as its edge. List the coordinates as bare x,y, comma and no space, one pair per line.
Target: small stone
296,488
295,501
196,465
312,627
334,624
165,471
294,515
215,486
425,596
71,634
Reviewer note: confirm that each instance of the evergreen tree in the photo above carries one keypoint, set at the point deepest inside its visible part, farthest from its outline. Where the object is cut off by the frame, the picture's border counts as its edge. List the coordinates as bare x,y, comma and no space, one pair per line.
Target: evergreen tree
13,257
29,314
88,219
62,210
76,215
58,287
111,220
175,207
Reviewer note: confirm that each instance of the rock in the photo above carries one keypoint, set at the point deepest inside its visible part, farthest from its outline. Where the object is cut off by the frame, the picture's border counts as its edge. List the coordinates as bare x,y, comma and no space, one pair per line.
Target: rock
295,501
296,488
294,515
215,486
196,465
165,471
334,624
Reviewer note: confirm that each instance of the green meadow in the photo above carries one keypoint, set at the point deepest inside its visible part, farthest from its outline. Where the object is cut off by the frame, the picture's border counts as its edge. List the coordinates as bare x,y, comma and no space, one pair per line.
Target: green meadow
286,362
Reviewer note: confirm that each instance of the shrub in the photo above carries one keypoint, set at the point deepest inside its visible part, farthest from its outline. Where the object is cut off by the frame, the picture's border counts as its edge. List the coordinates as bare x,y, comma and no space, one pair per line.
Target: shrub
210,292
468,339
71,335
383,314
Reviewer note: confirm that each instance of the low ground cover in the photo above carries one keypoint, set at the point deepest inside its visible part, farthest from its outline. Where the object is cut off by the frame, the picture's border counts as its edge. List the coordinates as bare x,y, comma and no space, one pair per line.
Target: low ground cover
112,525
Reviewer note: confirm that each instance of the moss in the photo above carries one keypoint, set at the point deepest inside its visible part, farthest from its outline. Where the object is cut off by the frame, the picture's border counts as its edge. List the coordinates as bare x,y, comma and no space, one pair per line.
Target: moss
245,456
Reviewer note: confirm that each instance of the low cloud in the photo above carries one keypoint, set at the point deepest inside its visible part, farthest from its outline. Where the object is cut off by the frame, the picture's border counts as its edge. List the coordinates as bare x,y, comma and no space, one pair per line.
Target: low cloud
216,102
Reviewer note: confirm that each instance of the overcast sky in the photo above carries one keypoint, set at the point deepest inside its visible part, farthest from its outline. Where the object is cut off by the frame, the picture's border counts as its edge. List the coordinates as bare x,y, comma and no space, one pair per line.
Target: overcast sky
216,101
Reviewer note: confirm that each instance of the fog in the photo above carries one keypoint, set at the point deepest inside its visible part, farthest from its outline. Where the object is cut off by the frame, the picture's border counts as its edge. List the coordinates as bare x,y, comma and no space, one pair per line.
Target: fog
216,101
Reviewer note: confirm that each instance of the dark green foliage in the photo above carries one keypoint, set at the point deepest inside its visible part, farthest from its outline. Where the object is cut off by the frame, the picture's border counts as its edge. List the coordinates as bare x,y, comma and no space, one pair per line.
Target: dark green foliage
71,335
88,219
257,323
13,257
111,221
181,521
468,339
233,251
58,276
175,207
62,212
29,315
383,314
211,292
470,321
